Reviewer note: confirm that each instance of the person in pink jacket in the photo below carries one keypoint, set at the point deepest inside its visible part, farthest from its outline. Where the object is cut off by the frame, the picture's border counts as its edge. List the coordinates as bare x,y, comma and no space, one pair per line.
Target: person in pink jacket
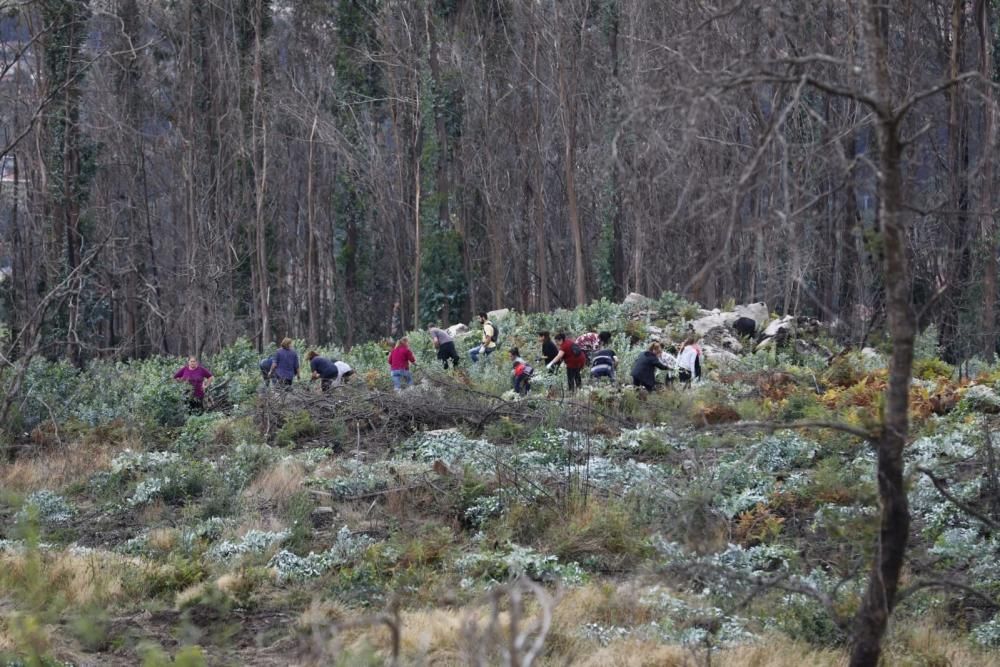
399,364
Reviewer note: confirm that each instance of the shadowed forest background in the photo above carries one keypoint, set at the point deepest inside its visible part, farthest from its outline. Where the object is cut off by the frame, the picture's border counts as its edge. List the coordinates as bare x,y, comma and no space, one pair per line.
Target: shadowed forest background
205,177
177,174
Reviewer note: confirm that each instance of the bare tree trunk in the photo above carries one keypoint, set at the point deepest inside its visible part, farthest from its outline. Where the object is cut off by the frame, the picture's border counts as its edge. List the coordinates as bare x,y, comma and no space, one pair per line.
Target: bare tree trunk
880,596
988,326
567,104
538,188
417,151
312,269
259,148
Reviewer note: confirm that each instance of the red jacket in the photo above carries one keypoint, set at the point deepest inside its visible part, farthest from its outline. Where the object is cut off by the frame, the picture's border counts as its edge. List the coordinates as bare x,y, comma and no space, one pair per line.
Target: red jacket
572,360
400,358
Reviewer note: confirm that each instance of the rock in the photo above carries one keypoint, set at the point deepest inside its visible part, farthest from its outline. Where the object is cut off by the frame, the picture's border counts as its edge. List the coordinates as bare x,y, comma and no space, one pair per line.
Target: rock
322,517
720,337
718,355
654,331
786,324
636,299
457,330
807,347
807,326
705,324
755,311
495,315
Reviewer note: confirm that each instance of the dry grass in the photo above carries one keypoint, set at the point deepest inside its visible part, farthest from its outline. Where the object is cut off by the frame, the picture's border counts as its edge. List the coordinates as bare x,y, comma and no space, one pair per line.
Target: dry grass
75,579
929,644
55,468
276,486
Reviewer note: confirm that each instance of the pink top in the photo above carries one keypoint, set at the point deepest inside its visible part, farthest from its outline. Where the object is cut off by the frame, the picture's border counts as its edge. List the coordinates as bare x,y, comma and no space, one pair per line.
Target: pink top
400,358
196,376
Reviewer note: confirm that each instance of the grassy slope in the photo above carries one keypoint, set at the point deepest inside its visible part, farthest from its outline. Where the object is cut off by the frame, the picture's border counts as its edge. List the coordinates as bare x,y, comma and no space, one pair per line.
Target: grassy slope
133,531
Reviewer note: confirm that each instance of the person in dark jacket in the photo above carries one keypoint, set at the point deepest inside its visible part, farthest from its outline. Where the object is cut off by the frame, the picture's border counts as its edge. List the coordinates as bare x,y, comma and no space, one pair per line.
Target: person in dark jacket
286,363
644,369
604,363
549,349
323,369
265,369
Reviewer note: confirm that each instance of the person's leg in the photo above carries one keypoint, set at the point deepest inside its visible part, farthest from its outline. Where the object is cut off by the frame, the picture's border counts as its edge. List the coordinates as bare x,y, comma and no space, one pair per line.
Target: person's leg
396,375
326,383
454,355
474,354
573,378
407,378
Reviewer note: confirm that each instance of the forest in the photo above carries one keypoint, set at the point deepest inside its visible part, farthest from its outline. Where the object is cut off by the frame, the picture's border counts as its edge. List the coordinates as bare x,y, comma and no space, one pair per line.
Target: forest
797,198
178,174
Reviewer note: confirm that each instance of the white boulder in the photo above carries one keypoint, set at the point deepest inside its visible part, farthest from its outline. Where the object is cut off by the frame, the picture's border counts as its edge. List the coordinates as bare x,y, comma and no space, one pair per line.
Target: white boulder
457,330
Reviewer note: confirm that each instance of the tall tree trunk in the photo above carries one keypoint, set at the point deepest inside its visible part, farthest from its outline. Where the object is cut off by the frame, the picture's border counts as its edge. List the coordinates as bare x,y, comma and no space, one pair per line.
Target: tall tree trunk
883,581
987,229
259,148
957,258
418,143
312,268
538,188
568,74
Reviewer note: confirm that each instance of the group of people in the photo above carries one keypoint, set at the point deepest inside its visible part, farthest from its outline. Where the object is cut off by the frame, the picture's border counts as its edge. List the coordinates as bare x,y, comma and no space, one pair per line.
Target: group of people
562,350
282,367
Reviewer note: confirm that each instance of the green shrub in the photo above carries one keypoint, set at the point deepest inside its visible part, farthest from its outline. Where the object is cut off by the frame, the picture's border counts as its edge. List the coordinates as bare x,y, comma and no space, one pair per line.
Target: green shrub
297,425
932,369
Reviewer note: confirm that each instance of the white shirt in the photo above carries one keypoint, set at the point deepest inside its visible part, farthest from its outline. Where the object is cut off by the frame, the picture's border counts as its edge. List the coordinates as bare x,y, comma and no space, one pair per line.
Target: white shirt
342,370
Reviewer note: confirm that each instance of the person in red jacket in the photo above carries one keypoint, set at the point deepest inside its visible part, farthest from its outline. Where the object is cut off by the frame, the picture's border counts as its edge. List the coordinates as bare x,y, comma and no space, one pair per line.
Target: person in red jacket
399,364
521,374
574,358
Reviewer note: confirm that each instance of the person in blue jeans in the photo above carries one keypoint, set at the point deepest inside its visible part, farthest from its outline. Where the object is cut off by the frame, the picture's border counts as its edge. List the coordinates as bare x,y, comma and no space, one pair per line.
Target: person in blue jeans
489,340
399,365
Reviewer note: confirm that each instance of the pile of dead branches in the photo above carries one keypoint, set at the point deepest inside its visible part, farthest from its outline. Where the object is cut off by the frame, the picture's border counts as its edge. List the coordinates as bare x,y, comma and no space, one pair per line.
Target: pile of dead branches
438,401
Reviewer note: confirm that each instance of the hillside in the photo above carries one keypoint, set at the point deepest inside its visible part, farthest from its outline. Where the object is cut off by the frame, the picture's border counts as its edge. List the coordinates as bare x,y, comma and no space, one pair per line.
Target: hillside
455,523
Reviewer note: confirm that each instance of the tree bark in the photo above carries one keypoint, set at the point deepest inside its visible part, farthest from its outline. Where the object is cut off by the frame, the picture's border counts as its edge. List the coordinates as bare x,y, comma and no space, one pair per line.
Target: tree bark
880,595
987,227
312,268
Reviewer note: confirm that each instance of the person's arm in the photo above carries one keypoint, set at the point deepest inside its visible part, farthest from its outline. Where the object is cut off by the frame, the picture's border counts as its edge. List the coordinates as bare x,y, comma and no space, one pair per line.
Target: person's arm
208,376
557,359
179,375
409,356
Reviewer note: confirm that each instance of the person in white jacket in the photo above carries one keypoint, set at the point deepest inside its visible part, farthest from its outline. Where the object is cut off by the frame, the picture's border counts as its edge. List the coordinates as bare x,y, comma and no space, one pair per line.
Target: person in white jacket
689,361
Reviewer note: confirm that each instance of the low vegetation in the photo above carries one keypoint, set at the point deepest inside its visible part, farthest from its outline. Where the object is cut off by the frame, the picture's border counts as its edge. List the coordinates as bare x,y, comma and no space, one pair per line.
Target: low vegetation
455,523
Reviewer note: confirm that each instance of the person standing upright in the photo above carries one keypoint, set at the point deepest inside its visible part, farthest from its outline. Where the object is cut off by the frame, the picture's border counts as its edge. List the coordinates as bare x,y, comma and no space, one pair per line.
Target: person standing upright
197,376
286,363
400,359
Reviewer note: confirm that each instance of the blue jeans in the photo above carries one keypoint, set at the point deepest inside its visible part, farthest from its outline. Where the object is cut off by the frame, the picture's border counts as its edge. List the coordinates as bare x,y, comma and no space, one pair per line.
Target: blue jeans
401,379
474,353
